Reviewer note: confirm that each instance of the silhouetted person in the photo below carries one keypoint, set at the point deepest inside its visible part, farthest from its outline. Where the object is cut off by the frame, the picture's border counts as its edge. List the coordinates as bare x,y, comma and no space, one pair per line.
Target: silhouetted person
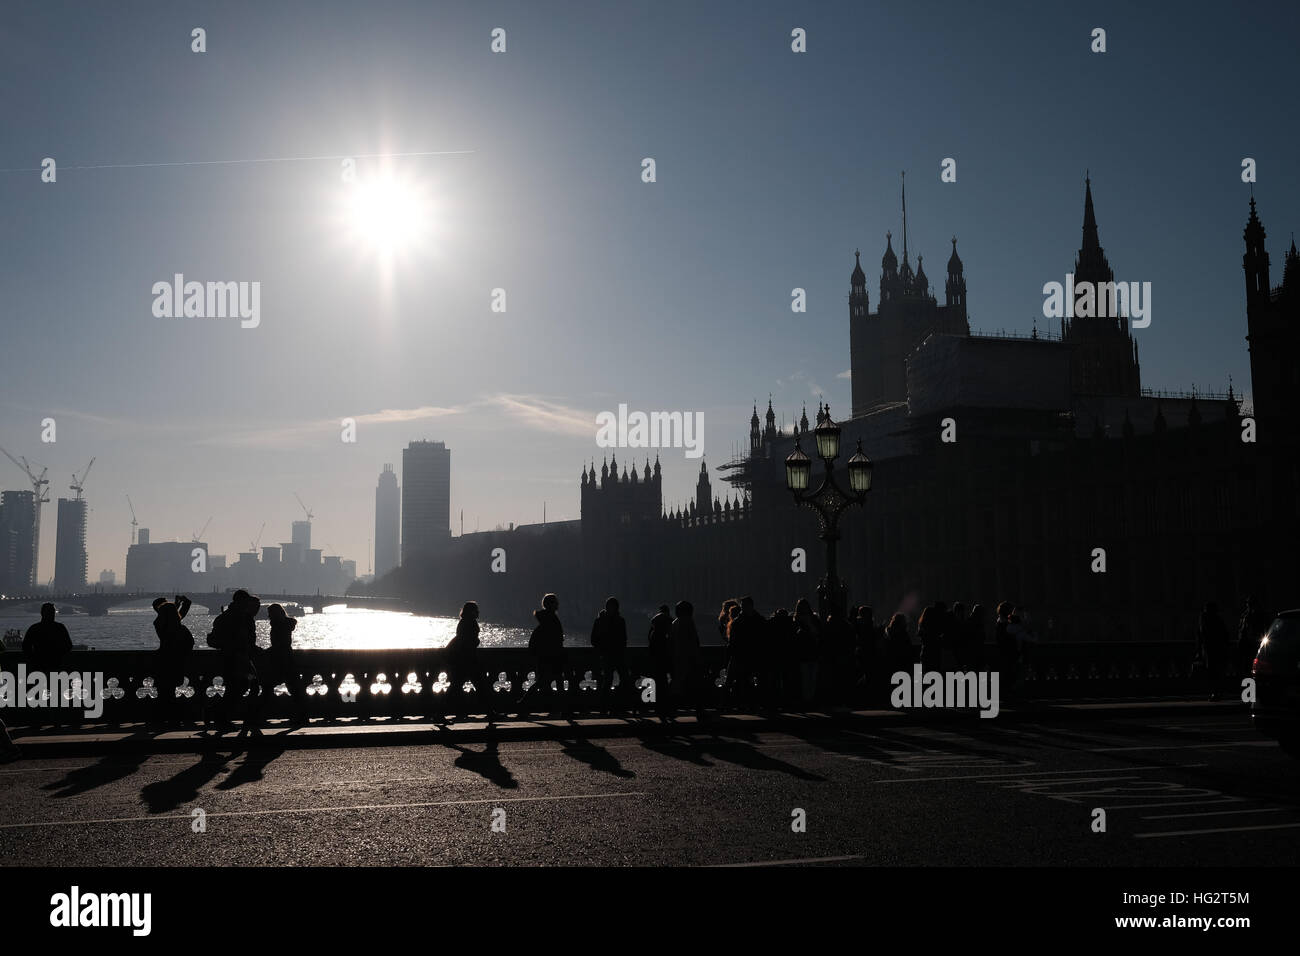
898,646
659,641
175,644
807,639
609,638
864,646
835,659
1006,634
1250,631
234,634
46,643
1212,646
930,629
688,662
547,647
785,658
463,663
745,637
277,666
972,655
731,608
954,635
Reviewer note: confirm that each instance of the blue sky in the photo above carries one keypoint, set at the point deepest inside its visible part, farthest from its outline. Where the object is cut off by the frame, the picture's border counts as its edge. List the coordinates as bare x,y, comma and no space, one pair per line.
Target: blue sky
772,168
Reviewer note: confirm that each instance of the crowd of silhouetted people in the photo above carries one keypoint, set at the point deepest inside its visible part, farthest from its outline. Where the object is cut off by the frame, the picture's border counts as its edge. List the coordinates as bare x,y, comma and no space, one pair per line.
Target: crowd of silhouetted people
786,660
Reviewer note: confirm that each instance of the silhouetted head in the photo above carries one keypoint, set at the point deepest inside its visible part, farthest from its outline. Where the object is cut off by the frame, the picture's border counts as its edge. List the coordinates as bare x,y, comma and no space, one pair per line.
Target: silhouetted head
550,602
663,608
866,612
159,602
747,603
959,610
802,607
275,612
897,621
47,611
977,613
781,613
734,612
684,609
611,605
1004,609
469,612
167,611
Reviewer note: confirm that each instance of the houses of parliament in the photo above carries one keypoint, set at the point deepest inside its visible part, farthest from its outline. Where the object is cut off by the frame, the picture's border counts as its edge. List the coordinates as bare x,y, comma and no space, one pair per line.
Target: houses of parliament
1059,451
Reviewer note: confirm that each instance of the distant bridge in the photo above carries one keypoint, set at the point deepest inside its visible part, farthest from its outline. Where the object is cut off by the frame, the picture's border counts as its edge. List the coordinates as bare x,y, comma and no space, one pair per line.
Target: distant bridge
97,603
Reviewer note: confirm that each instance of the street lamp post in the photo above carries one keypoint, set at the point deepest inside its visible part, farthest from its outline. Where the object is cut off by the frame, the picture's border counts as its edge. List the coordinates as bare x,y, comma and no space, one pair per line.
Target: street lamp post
829,499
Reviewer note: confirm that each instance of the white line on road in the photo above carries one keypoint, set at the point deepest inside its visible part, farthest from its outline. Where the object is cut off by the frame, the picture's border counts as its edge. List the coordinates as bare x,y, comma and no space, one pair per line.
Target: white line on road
811,859
365,806
1039,773
1273,826
1204,746
1208,813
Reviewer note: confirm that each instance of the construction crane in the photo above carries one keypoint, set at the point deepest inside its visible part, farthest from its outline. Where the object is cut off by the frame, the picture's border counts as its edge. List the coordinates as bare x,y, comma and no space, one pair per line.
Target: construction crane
304,507
254,543
39,497
78,484
198,534
134,523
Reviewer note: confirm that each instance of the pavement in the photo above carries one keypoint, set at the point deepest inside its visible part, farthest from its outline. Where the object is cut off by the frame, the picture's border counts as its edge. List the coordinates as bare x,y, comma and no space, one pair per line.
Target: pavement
98,739
1181,783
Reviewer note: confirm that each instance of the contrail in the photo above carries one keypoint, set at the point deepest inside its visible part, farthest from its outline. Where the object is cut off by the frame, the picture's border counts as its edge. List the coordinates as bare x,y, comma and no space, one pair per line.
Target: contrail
244,162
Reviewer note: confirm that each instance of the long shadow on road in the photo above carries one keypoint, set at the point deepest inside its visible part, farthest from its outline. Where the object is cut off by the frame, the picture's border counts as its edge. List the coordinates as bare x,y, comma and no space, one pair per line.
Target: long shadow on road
734,748
109,769
163,796
486,763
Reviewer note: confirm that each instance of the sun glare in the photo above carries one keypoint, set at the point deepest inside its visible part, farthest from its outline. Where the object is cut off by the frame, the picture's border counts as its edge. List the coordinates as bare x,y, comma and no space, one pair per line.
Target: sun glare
387,216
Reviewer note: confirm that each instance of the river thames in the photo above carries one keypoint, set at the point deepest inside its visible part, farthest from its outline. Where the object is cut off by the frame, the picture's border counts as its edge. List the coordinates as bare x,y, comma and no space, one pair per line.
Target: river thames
131,628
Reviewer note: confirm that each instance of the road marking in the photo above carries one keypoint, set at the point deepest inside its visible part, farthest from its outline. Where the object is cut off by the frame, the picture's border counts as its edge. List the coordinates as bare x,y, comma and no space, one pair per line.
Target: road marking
810,859
1179,803
1208,813
365,806
1037,773
1212,743
1273,826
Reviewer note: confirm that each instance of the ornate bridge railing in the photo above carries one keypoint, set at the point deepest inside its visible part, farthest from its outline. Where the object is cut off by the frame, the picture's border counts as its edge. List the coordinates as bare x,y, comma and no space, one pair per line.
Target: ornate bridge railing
409,684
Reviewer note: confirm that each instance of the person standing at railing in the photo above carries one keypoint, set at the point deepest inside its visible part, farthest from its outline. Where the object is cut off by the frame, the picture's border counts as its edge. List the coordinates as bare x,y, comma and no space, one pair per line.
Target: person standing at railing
278,666
807,639
547,647
234,633
44,647
609,638
661,660
175,643
688,663
463,664
1212,646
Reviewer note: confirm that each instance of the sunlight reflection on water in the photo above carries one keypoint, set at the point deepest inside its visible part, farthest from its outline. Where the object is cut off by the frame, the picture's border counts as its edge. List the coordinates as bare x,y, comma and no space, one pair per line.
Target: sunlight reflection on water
336,627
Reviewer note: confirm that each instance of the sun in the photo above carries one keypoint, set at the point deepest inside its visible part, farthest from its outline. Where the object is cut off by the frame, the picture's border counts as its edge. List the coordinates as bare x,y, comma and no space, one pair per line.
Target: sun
387,216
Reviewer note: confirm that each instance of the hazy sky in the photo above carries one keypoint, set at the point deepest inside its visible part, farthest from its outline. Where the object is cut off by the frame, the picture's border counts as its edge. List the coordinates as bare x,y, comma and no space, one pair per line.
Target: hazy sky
771,166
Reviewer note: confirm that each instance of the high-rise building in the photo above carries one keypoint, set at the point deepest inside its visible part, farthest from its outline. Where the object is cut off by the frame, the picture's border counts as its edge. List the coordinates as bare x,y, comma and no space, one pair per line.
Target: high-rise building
388,522
17,540
108,578
301,535
70,546
426,497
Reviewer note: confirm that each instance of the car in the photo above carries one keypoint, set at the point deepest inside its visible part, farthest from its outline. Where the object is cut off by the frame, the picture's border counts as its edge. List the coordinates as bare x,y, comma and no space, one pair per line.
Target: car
1276,710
